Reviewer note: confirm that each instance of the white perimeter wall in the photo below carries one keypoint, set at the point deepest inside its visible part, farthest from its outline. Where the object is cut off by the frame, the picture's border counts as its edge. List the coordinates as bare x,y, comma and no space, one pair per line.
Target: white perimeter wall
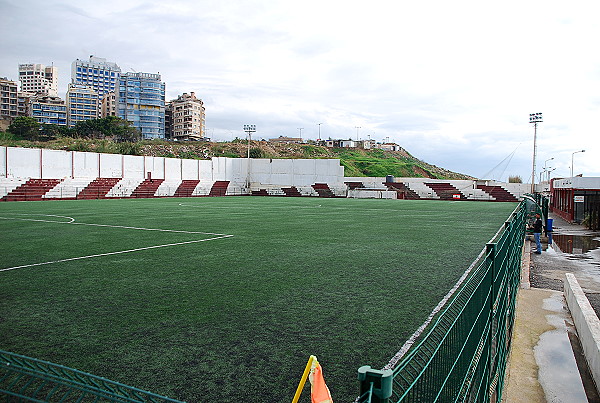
298,172
56,164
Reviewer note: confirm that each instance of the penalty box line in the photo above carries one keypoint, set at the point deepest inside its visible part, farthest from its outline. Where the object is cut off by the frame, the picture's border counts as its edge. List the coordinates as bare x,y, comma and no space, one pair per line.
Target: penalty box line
115,253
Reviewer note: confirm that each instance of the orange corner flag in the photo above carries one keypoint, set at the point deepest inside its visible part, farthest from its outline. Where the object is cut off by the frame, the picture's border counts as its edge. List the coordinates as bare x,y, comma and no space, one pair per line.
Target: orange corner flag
319,392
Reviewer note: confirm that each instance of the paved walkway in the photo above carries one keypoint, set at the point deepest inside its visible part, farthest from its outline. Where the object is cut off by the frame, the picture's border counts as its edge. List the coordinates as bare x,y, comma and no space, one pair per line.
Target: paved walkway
546,363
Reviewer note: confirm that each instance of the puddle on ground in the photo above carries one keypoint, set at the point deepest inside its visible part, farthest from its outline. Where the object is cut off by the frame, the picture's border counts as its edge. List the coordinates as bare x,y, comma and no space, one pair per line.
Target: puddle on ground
576,244
558,373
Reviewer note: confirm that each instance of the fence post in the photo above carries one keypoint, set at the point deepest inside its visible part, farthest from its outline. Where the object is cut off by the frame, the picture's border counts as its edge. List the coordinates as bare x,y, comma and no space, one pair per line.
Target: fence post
382,383
491,249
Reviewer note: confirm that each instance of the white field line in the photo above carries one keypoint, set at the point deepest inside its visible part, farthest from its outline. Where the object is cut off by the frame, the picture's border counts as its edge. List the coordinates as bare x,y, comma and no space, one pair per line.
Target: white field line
114,253
72,221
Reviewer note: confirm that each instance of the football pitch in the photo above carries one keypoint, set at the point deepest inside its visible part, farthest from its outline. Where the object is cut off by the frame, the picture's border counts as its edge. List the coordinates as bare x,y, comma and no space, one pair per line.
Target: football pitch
224,299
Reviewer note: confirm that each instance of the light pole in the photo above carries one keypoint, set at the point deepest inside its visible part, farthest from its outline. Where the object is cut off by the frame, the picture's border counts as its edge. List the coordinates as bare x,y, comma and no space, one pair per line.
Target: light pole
534,118
357,127
301,128
249,129
572,157
546,169
549,171
319,124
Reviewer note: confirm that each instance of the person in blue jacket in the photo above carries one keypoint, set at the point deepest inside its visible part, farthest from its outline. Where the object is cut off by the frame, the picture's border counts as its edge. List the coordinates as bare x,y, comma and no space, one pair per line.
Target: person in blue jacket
538,226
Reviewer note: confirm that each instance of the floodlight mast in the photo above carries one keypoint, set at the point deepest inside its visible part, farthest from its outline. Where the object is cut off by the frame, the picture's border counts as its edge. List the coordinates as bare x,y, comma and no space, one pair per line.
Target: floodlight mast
249,129
534,118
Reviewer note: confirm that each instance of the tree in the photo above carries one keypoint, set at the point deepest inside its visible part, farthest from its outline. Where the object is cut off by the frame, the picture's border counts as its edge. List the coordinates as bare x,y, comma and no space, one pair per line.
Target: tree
52,131
515,179
111,127
25,127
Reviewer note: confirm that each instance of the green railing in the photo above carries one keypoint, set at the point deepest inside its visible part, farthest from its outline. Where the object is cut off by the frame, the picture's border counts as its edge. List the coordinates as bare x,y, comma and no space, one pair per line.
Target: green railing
29,379
460,356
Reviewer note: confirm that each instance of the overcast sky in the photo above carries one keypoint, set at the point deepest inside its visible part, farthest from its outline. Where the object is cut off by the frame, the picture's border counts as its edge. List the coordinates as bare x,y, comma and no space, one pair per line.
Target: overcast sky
453,82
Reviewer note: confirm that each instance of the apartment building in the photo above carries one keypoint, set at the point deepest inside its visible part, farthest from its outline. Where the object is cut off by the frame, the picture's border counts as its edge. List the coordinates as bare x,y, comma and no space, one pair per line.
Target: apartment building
24,99
82,104
186,118
39,79
97,73
49,110
8,98
141,101
108,105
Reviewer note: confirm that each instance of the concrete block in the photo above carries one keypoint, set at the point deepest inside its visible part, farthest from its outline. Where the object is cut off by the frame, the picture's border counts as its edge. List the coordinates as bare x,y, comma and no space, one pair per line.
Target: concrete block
586,322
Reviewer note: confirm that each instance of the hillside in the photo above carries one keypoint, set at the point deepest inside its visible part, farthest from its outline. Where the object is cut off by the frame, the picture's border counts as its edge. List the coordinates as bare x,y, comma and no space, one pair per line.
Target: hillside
357,162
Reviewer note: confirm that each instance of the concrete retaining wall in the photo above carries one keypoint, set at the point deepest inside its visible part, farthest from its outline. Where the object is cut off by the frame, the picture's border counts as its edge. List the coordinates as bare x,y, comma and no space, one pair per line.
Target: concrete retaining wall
587,324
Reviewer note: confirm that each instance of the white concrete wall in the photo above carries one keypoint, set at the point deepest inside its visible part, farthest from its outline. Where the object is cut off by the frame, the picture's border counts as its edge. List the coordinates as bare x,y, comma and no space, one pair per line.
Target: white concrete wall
85,165
586,323
23,162
266,173
56,164
111,166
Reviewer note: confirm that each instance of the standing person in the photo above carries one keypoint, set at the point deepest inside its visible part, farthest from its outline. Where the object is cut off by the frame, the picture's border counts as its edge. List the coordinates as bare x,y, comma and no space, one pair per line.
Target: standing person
537,233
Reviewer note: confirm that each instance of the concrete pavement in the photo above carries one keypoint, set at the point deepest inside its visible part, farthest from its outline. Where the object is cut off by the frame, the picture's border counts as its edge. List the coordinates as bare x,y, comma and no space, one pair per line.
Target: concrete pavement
546,363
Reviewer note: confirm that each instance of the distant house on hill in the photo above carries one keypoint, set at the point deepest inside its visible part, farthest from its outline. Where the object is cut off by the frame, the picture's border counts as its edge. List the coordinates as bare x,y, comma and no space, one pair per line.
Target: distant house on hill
338,143
389,147
286,140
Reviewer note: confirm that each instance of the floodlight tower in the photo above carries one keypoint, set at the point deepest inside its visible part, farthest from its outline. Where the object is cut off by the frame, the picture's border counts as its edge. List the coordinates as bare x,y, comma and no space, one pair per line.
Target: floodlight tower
249,129
357,127
301,128
534,118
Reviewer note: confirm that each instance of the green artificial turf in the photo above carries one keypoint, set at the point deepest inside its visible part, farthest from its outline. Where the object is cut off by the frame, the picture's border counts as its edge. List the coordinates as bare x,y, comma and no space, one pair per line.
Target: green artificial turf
230,318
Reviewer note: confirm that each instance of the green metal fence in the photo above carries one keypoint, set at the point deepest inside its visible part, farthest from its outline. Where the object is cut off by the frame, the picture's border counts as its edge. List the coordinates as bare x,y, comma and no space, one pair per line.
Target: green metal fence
28,379
461,355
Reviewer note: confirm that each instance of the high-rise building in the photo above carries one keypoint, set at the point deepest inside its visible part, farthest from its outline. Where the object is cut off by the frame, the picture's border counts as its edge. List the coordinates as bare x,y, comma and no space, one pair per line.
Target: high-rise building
39,79
8,98
82,104
108,105
96,73
49,110
187,118
142,102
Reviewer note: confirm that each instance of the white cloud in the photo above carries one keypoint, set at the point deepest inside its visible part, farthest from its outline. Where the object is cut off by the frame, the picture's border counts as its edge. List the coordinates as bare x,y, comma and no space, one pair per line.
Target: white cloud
453,82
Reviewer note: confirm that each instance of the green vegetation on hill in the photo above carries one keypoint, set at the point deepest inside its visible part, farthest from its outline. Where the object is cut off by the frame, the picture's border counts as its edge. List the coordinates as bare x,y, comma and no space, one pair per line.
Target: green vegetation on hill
357,162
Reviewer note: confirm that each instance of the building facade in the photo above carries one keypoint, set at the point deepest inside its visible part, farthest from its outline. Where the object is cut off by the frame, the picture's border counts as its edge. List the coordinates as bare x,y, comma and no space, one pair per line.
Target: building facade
286,140
141,101
39,79
8,98
108,105
186,118
82,104
576,198
97,73
49,110
24,99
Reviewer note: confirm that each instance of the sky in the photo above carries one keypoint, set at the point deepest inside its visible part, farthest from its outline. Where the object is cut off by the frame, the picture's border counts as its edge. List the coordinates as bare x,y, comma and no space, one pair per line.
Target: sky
453,82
